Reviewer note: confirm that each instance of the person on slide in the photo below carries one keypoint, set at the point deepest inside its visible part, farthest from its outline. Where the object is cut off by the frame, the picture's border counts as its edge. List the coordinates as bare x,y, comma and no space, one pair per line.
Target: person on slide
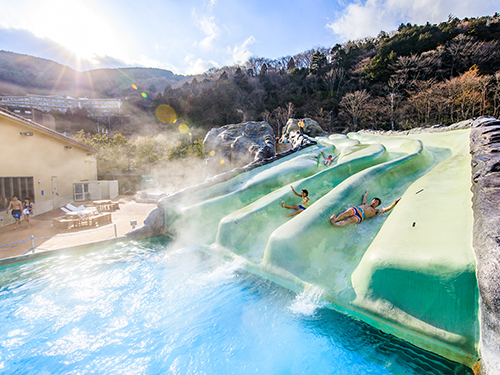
329,160
300,207
357,214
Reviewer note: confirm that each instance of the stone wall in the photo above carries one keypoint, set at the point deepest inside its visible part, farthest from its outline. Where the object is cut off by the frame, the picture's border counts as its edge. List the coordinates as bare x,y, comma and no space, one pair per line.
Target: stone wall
485,151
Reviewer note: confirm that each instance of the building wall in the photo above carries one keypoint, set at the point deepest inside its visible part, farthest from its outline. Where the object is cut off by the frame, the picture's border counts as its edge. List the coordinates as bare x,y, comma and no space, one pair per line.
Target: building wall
43,155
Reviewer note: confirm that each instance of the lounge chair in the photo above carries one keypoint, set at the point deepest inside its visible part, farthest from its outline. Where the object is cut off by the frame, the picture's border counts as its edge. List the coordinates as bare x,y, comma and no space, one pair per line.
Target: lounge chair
75,209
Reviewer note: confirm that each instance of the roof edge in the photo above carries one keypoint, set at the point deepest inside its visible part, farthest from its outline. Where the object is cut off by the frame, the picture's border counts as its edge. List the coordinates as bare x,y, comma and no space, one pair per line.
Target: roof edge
44,129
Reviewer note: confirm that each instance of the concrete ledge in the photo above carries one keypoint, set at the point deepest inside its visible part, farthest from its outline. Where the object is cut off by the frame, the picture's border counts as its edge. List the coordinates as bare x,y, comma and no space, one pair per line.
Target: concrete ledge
42,254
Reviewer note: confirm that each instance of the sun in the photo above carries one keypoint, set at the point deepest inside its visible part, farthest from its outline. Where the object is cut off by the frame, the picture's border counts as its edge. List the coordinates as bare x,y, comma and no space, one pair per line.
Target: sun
79,26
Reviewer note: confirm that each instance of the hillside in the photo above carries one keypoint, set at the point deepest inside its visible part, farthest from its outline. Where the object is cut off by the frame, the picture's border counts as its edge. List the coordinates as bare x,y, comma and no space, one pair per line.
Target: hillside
419,75
23,74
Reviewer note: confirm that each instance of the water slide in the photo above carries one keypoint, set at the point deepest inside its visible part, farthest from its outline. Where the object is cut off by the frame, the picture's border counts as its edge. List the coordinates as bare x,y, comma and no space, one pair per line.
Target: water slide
409,272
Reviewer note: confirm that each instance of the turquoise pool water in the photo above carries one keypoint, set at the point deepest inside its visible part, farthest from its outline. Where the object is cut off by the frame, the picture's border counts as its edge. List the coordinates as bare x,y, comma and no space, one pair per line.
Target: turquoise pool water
143,308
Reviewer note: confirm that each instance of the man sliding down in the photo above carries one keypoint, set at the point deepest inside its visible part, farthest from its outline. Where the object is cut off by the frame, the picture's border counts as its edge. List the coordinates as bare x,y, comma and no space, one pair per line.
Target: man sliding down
357,214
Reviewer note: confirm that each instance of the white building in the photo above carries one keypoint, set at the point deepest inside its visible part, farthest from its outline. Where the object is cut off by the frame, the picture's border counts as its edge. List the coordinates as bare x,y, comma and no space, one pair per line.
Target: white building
46,103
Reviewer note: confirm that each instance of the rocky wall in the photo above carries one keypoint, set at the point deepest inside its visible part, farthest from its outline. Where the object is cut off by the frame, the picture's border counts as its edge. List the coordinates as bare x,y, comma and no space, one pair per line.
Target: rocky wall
485,152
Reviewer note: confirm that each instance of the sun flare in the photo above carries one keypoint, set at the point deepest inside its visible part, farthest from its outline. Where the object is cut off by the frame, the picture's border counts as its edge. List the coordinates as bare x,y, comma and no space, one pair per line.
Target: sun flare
79,26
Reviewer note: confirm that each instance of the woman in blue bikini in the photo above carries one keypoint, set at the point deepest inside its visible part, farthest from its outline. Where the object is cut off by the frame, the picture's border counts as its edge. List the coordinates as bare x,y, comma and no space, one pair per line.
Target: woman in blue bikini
356,214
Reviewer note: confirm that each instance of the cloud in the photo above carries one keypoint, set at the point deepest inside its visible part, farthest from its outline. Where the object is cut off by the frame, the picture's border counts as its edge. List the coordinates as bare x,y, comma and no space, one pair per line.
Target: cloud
198,66
207,24
368,18
240,52
25,42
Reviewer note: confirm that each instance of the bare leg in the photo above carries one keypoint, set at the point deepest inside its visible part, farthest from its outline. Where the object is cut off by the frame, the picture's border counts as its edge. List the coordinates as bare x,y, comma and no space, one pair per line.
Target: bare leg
295,207
295,212
342,223
342,216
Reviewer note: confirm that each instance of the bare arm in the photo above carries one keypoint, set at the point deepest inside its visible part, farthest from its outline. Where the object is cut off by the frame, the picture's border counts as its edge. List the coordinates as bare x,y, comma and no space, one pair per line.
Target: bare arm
297,194
8,208
390,207
336,156
365,196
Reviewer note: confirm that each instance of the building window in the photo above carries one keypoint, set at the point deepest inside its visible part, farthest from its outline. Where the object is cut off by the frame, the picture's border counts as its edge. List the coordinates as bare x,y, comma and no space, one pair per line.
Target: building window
21,187
81,192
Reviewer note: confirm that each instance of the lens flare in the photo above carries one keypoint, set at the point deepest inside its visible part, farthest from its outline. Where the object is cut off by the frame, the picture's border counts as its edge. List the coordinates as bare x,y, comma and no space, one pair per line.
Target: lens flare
183,128
134,86
175,121
144,95
222,161
165,113
212,153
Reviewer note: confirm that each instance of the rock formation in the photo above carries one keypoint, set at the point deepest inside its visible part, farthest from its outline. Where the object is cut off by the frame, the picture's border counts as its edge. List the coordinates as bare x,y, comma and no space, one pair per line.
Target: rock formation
485,147
310,128
237,145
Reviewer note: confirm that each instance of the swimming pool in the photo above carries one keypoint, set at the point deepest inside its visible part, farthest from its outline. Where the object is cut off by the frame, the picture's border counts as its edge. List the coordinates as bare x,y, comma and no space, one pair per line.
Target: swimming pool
155,308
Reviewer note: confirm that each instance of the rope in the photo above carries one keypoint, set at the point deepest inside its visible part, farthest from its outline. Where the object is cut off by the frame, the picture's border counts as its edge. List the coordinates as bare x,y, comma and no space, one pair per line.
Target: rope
14,243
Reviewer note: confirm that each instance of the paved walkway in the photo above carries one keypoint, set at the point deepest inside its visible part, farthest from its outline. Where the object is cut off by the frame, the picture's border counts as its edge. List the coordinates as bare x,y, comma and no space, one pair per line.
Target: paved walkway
41,226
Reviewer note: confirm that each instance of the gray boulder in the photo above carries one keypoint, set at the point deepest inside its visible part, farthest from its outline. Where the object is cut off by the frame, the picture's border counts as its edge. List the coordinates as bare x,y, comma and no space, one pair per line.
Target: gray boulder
310,128
236,145
154,226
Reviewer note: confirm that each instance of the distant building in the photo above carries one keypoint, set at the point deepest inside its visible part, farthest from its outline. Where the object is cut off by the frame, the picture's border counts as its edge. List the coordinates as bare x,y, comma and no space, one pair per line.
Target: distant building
42,164
47,103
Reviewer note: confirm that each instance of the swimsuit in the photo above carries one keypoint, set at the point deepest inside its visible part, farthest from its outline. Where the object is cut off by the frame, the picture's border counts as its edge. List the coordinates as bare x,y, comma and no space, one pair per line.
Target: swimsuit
357,213
16,214
305,203
28,210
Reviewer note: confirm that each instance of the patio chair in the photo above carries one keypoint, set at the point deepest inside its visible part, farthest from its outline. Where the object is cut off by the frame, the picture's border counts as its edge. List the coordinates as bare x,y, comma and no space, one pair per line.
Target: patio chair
75,209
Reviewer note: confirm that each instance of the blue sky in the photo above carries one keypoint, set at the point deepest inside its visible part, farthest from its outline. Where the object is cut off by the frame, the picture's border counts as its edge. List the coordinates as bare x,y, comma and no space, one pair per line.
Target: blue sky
191,36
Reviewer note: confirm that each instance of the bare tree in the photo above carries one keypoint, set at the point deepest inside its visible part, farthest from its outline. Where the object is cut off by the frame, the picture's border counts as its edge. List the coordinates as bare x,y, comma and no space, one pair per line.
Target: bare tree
333,80
290,110
281,117
407,70
353,104
422,100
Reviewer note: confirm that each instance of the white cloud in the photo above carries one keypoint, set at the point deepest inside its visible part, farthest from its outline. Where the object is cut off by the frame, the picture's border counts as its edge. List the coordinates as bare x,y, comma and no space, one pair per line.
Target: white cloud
240,52
207,24
368,18
197,66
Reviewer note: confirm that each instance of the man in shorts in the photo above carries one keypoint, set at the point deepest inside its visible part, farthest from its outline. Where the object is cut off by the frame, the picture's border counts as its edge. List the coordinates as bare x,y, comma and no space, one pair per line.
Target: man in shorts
17,208
357,214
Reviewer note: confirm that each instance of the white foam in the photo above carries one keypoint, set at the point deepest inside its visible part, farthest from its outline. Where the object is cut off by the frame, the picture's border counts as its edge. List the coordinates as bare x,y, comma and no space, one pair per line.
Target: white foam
307,302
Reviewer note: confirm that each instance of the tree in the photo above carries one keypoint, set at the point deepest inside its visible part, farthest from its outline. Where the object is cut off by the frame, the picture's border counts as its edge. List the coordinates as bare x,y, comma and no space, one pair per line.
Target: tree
318,63
353,104
464,94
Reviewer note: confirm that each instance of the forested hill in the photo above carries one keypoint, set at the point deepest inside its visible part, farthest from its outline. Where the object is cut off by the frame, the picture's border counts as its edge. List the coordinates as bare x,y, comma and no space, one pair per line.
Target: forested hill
23,74
419,75
416,76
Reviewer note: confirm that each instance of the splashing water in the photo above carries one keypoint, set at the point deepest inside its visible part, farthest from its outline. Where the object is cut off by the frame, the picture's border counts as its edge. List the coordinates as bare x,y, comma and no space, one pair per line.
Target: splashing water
307,302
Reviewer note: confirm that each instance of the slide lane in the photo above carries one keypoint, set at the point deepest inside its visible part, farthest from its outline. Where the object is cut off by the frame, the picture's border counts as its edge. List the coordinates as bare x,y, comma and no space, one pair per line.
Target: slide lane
203,217
262,217
418,274
309,247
